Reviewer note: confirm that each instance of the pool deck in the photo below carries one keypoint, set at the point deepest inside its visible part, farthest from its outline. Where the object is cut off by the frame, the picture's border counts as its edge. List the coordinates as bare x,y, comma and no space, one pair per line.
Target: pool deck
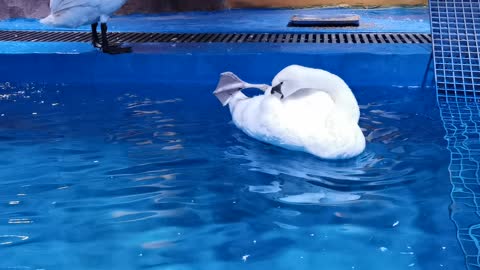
383,20
411,20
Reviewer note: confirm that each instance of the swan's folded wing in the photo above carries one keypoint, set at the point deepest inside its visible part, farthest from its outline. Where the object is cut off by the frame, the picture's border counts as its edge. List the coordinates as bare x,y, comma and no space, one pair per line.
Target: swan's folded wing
288,92
60,5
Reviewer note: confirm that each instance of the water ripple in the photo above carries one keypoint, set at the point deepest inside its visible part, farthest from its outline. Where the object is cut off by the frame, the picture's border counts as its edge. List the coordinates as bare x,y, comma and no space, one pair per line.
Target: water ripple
7,240
156,179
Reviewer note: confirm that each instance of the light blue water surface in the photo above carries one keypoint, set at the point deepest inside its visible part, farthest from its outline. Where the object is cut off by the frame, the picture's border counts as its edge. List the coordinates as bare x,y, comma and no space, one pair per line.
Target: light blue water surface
123,177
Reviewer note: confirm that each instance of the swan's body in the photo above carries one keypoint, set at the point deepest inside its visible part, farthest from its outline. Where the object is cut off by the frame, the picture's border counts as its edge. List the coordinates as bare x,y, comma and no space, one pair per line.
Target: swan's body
318,114
75,13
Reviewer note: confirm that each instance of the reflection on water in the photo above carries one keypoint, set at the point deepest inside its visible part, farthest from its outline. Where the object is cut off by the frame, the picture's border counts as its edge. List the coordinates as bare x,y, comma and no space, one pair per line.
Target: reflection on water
157,179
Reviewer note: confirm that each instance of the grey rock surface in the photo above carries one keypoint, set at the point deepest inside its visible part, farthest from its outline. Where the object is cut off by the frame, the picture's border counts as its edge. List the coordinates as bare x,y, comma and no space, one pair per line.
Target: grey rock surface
40,8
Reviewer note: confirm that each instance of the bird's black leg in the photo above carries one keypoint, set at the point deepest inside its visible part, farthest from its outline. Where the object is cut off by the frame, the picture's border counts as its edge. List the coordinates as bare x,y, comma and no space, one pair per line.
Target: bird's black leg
111,49
95,40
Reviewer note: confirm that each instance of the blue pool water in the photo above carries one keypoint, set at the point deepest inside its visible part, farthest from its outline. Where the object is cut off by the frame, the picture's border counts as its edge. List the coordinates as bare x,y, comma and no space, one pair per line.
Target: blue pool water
126,177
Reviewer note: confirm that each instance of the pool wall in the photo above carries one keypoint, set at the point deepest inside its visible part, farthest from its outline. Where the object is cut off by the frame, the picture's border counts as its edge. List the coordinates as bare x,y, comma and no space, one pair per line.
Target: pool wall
358,64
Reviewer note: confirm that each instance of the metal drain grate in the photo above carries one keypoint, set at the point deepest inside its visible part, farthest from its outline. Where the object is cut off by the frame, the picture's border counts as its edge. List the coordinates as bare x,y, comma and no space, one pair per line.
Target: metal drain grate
43,36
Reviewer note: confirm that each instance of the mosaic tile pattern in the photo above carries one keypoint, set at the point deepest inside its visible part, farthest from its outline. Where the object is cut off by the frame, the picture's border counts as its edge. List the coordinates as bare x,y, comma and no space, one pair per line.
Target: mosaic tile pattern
462,125
456,54
456,47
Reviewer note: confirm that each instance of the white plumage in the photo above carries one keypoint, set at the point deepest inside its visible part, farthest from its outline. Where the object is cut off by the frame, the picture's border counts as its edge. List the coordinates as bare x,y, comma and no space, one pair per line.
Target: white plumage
318,113
75,13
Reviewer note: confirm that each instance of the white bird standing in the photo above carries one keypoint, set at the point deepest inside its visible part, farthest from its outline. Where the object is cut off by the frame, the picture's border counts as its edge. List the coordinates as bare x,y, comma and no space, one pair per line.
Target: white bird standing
75,13
307,109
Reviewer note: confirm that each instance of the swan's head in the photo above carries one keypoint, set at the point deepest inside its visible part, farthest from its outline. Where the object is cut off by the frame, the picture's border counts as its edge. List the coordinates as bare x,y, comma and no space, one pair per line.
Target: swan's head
294,78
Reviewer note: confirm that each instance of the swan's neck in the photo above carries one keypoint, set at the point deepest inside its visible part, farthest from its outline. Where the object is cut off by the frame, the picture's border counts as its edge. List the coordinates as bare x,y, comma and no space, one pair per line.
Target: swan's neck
340,93
345,102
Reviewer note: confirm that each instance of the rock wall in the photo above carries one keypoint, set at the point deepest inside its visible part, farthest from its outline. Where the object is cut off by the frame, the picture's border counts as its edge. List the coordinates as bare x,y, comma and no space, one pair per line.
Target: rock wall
313,3
156,6
23,8
39,8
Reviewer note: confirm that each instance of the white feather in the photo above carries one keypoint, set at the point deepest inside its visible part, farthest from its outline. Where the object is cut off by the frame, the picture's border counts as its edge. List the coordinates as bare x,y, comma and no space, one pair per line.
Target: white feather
320,116
75,13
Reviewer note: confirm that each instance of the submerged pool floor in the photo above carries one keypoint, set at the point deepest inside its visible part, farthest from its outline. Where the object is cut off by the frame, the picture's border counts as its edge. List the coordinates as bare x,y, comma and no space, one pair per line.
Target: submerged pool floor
137,178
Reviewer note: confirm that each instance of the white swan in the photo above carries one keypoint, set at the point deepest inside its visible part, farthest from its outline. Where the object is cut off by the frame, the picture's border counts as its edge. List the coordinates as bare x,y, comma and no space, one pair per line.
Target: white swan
75,13
308,109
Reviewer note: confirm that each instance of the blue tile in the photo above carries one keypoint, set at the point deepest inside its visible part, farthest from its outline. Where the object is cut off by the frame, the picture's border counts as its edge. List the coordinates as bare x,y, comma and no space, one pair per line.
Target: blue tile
455,44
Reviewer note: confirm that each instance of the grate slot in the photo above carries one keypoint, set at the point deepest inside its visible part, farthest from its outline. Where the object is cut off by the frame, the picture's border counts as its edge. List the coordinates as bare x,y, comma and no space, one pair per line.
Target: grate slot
230,38
155,38
404,38
271,38
426,37
349,39
413,38
190,38
256,38
197,38
250,38
310,38
242,37
215,37
375,38
354,39
397,39
205,38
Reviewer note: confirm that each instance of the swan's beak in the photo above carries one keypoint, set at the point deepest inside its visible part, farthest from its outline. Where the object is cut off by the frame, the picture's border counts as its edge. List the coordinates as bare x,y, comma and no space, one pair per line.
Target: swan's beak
230,84
277,89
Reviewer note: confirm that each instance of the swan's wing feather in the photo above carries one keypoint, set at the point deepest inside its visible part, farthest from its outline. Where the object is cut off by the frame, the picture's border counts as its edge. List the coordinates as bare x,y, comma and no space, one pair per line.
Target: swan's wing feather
59,5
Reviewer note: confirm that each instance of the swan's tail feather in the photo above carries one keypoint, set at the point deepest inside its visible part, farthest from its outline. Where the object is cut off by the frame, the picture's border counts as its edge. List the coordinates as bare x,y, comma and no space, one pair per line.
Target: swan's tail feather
228,85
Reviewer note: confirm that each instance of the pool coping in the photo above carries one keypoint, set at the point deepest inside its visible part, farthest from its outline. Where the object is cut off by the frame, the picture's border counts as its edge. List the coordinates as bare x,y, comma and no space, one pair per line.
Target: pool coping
394,19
